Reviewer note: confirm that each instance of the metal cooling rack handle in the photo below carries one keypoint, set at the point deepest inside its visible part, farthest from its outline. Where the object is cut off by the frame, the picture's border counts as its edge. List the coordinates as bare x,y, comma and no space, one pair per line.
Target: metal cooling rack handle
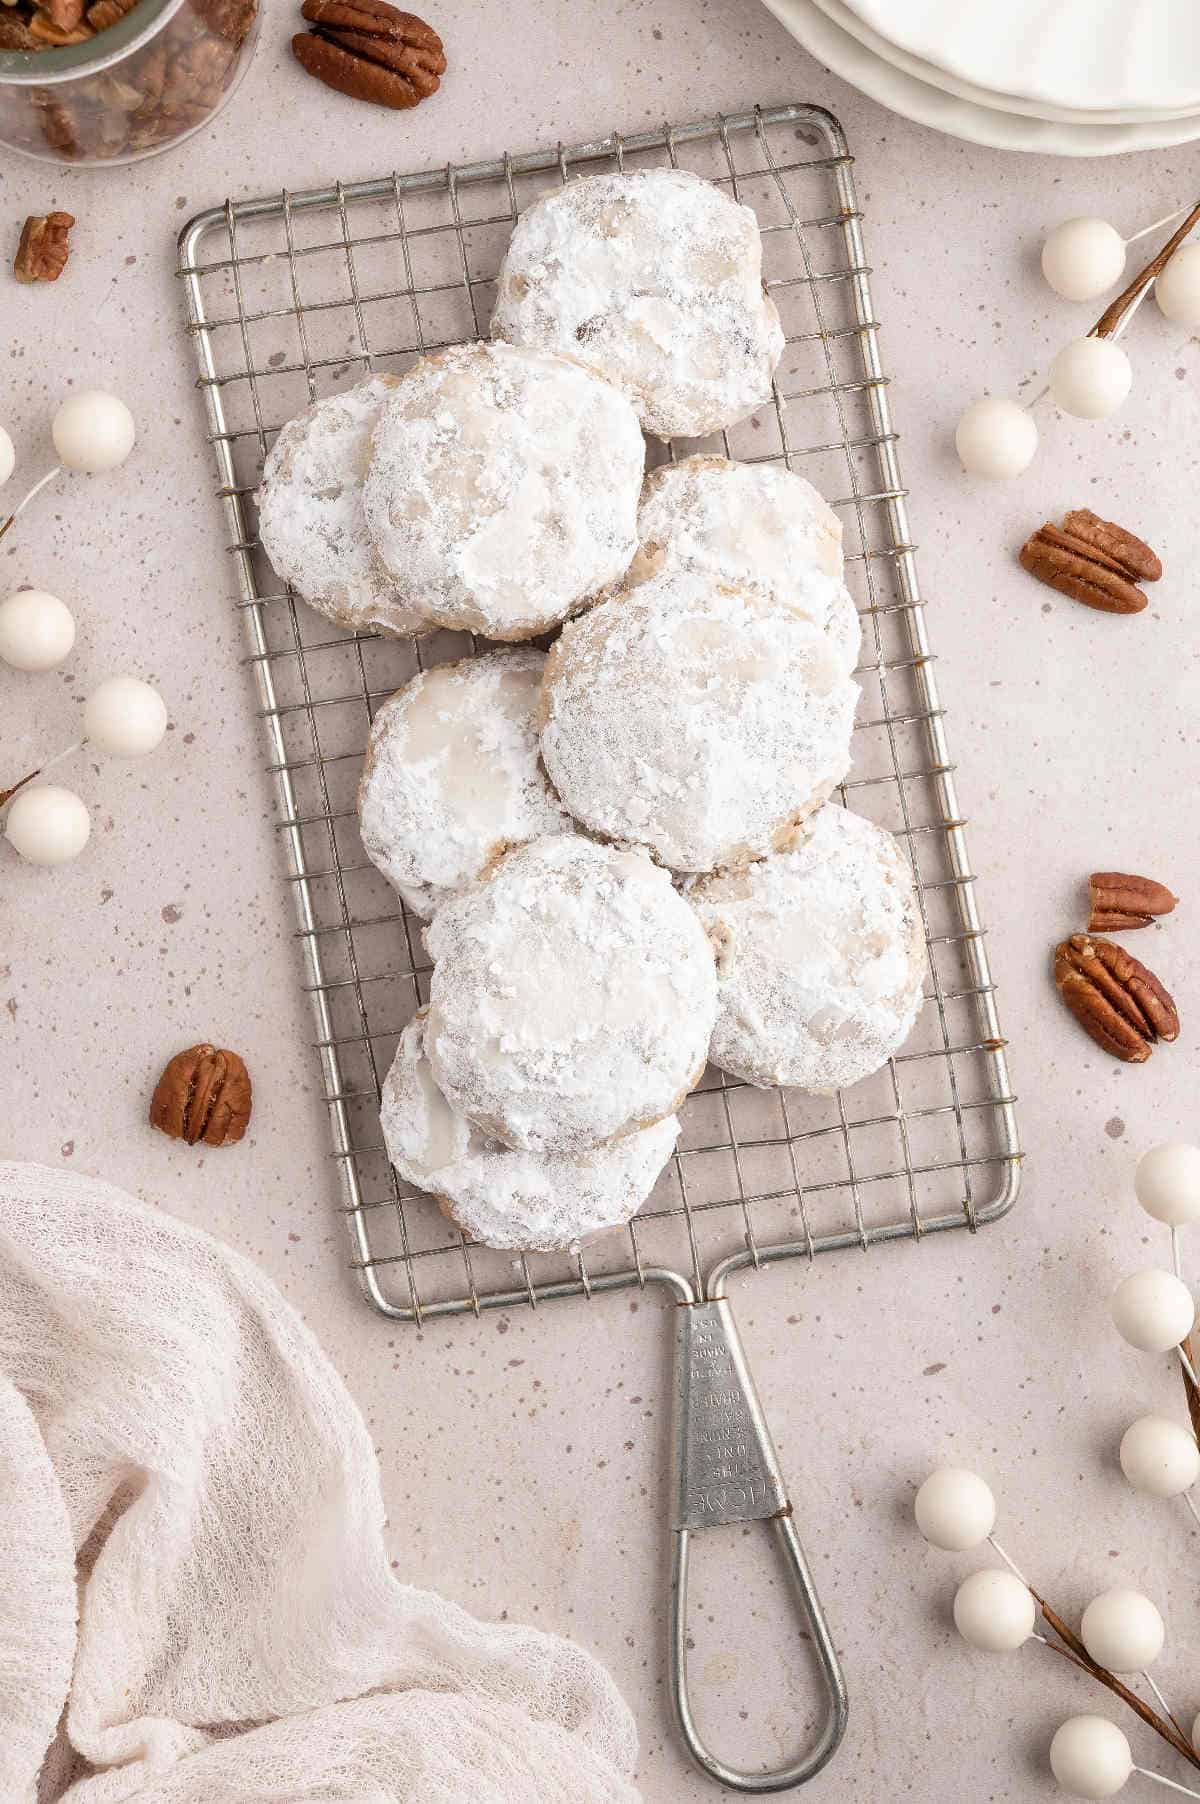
728,1471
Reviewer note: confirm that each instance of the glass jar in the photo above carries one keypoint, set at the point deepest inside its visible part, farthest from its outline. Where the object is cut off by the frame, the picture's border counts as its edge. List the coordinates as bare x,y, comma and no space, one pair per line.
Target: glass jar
145,75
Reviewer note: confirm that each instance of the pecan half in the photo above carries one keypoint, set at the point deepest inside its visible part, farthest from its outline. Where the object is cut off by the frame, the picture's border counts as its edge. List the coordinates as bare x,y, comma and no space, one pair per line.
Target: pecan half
370,51
204,1094
1067,565
1121,1004
104,13
64,15
1122,550
1120,901
43,251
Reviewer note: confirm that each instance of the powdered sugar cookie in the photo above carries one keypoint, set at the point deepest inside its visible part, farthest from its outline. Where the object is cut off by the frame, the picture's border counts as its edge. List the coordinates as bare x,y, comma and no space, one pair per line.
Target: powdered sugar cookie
310,513
757,524
699,718
503,488
532,1202
820,955
452,775
572,997
653,278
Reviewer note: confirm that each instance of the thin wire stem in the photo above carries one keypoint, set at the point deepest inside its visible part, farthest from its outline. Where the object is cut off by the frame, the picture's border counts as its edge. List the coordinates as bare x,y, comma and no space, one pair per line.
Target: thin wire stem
1171,1784
1176,1252
1165,220
1163,1704
1187,1498
1186,1363
35,490
1011,1564
6,795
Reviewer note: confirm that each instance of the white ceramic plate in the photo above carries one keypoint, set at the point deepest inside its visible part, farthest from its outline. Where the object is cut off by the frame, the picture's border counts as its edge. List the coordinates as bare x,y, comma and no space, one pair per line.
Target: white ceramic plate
927,105
843,15
1097,54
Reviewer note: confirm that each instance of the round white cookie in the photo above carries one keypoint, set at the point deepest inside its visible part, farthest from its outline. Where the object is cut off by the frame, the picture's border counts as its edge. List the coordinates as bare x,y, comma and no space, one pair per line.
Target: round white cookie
452,775
503,488
572,997
310,513
653,278
820,956
531,1202
702,719
758,524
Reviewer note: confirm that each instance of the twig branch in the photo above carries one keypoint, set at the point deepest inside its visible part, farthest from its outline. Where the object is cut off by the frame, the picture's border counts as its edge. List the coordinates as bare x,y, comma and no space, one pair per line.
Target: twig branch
1074,1649
1113,314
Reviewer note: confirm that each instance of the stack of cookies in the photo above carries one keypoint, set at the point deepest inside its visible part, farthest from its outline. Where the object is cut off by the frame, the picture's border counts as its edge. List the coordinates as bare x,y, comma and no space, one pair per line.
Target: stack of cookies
622,844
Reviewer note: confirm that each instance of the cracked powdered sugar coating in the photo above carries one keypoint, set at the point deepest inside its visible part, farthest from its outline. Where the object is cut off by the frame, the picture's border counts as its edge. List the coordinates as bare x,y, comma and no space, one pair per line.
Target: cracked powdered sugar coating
452,775
653,278
820,956
531,1202
700,718
310,513
572,997
503,488
756,524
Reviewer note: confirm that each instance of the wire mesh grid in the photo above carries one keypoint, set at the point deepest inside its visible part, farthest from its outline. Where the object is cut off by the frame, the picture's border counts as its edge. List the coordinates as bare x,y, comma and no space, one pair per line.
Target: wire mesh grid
292,296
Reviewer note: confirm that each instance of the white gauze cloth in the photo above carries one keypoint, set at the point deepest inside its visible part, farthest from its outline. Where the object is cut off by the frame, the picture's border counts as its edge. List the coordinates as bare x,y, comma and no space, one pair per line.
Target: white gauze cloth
192,1561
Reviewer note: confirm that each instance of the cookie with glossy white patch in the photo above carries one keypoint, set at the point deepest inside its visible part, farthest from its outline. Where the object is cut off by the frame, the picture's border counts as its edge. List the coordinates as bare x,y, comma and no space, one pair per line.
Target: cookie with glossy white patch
503,489
758,524
653,278
700,718
310,513
572,997
820,956
529,1201
453,776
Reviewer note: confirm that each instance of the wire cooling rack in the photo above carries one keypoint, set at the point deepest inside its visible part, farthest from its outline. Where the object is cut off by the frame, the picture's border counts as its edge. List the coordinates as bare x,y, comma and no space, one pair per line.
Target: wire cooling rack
293,296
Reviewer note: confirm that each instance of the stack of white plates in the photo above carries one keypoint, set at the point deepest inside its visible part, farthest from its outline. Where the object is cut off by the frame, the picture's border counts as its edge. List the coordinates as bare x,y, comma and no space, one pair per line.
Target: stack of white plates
1074,78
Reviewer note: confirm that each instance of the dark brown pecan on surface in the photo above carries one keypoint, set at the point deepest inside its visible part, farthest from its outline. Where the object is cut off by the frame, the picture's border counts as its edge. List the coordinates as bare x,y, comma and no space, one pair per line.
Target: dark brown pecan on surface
370,51
104,13
1063,564
204,1094
1123,551
43,251
1120,901
1114,997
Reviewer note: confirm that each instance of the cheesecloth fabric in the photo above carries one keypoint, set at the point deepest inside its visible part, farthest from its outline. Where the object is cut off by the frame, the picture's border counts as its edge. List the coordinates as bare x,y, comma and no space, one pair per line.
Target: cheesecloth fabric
196,1606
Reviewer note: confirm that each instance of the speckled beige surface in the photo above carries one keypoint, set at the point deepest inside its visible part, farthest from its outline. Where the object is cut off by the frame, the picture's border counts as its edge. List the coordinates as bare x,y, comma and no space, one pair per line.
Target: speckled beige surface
524,1456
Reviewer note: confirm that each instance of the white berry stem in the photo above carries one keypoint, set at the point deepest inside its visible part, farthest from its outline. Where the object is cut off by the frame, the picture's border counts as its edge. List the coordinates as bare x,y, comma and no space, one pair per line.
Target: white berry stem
1011,1564
1187,1498
1186,1363
1161,1700
6,795
1165,220
1176,1252
1171,1784
35,490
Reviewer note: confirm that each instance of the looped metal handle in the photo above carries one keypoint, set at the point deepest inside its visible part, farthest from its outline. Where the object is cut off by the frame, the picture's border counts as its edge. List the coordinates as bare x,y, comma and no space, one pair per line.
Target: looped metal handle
728,1471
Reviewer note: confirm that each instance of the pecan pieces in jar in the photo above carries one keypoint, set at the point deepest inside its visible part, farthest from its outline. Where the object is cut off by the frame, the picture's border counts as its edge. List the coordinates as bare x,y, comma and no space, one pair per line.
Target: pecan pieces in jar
370,51
1093,561
203,1095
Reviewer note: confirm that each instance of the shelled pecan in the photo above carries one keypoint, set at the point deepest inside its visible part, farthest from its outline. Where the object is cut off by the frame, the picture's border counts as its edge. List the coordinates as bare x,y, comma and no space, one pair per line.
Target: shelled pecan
370,51
203,1094
1112,995
43,251
1093,561
1120,902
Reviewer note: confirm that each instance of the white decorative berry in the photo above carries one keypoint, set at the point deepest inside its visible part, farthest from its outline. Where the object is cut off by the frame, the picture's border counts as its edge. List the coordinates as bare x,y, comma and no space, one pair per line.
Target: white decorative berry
1122,1630
1082,258
8,457
1153,1311
1159,1457
93,432
996,438
124,717
1090,378
1090,1757
37,630
47,825
955,1509
1177,289
994,1611
1167,1182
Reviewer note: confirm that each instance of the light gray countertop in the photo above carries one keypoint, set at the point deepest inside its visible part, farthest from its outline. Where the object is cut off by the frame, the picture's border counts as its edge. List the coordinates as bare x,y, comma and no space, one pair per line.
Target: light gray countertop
524,1465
